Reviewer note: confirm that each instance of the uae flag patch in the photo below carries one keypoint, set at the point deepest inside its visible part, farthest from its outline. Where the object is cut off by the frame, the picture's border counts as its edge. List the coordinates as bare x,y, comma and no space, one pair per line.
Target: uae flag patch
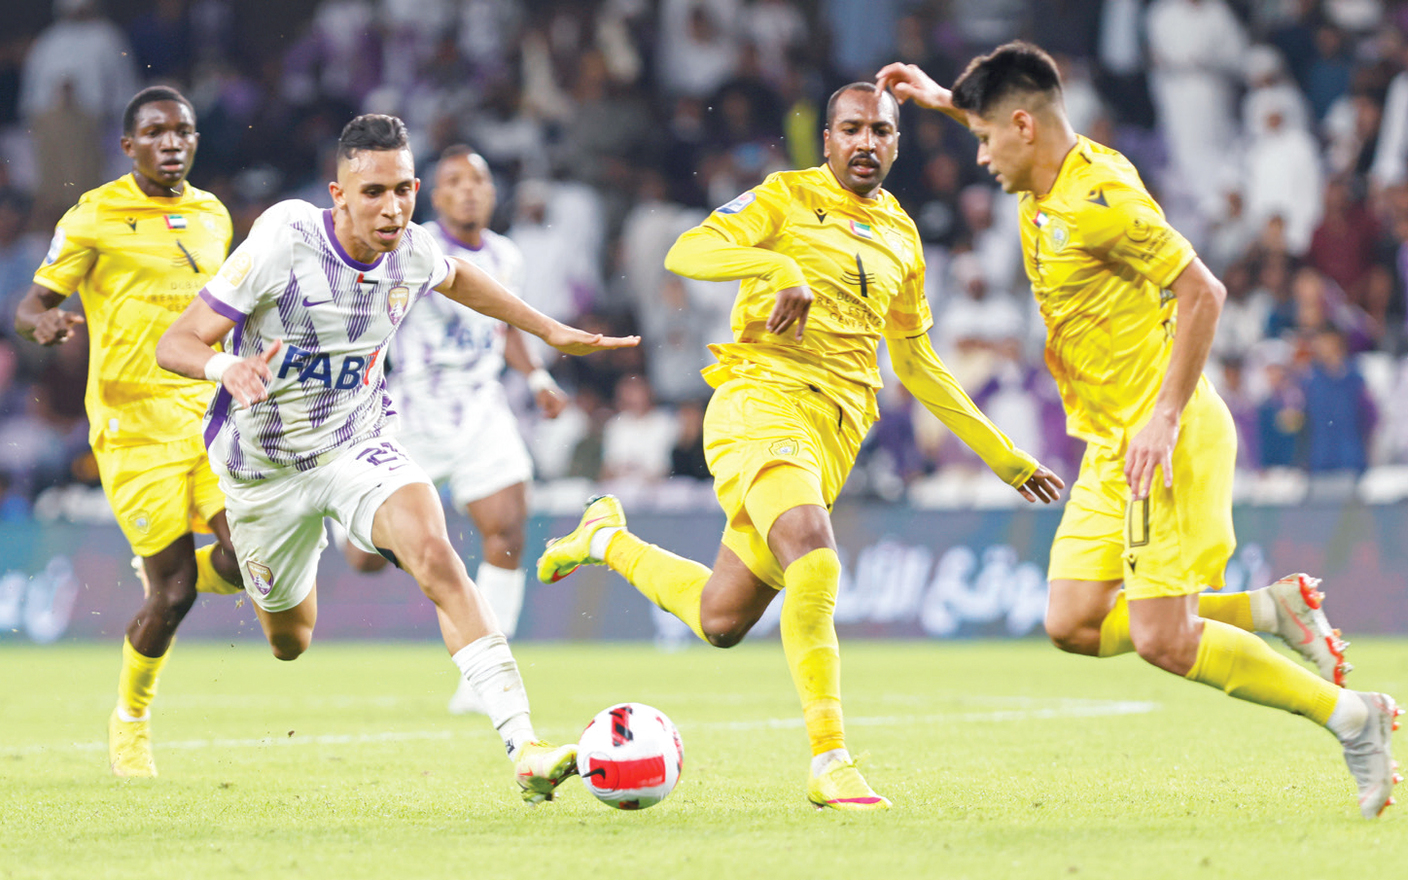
175,221
1041,219
862,229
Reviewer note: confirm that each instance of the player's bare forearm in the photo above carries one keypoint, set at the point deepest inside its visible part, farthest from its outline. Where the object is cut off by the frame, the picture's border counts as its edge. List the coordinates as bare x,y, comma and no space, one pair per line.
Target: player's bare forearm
189,342
187,348
706,254
474,288
39,318
1200,296
471,286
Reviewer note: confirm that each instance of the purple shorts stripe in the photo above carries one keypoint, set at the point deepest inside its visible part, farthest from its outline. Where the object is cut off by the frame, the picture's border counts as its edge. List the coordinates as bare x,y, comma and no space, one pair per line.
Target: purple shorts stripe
219,413
221,307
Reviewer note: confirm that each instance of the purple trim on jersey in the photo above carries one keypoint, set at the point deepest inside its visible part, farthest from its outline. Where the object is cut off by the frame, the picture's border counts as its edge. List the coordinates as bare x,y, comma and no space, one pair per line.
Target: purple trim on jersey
219,414
221,307
337,245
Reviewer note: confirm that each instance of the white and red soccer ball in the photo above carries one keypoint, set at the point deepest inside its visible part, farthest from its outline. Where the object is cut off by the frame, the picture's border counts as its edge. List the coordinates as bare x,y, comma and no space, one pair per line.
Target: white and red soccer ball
630,756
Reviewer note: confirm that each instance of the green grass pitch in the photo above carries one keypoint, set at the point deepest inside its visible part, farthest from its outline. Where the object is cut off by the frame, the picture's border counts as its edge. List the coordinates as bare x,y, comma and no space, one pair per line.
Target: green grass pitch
1003,760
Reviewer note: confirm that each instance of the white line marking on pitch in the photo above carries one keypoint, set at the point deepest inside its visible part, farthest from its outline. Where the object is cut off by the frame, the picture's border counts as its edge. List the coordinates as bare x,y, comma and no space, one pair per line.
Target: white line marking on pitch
1062,709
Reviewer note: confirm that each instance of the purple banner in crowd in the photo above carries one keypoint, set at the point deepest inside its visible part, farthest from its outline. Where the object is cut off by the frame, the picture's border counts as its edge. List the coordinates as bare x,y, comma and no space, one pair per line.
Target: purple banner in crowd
907,573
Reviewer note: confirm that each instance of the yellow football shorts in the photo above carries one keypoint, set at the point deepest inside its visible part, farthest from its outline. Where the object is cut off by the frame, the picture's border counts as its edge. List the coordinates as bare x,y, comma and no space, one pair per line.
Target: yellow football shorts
159,491
750,428
1175,542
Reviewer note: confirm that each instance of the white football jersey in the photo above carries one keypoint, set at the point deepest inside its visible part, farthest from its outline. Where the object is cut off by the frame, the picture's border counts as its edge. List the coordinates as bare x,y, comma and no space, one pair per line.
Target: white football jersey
292,280
444,349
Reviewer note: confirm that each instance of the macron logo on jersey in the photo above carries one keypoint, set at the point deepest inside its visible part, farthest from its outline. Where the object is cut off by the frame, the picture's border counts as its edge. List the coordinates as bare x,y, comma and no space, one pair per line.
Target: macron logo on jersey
352,371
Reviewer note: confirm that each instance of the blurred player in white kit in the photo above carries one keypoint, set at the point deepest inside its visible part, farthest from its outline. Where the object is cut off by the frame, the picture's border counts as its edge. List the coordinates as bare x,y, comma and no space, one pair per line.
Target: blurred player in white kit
444,367
302,428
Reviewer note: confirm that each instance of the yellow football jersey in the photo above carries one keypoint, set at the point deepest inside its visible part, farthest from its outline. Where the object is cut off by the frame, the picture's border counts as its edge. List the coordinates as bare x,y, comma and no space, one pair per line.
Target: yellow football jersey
861,258
136,262
1101,256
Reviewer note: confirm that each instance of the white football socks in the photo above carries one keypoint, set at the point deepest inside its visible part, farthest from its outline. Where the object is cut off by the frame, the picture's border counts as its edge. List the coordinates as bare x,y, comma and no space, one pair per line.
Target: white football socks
821,762
1349,715
502,588
488,665
1263,610
601,539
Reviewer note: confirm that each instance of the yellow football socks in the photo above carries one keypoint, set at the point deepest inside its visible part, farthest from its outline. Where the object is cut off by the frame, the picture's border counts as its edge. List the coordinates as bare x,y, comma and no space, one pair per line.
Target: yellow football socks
671,582
1114,629
1232,608
809,640
208,580
136,683
1245,667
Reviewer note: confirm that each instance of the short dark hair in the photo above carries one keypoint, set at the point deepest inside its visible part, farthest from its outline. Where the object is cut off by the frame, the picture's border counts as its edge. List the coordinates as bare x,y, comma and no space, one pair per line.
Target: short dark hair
1012,69
371,131
150,95
855,87
454,151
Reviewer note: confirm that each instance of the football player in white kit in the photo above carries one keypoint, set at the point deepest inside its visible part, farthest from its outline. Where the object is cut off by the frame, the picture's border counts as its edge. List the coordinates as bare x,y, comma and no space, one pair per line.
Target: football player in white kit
444,366
301,426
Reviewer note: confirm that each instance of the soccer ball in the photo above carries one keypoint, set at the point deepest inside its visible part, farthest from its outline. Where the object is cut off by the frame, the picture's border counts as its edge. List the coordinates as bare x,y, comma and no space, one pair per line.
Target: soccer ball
630,756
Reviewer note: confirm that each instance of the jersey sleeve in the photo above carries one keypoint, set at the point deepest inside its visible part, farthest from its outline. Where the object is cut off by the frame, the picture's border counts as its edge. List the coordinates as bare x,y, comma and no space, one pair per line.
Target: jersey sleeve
755,217
72,251
733,242
257,272
1133,232
909,313
436,262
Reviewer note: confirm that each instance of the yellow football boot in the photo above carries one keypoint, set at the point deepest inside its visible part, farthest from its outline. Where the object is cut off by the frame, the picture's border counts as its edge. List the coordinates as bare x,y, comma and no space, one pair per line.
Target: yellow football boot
541,768
566,554
130,747
842,787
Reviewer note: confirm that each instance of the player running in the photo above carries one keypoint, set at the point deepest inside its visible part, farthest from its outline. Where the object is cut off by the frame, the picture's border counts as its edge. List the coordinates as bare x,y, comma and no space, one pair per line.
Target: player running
301,425
830,265
1133,551
137,250
445,363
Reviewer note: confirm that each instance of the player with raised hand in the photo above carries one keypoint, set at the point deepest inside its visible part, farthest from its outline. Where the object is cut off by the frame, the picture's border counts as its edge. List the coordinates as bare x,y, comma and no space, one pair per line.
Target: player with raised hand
1130,312
830,265
137,250
445,363
310,302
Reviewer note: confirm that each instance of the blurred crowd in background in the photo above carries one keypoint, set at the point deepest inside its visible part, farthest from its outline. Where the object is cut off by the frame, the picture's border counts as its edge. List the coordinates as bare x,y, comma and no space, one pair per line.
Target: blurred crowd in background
1273,132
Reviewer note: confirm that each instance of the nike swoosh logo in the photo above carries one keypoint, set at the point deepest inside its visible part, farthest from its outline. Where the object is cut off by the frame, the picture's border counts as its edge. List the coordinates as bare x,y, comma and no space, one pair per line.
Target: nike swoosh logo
1309,636
590,521
308,305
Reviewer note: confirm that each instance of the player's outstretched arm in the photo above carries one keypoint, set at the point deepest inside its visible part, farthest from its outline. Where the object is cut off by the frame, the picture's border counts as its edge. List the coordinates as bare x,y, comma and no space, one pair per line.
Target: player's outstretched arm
471,286
707,254
919,369
1200,296
38,317
908,82
186,348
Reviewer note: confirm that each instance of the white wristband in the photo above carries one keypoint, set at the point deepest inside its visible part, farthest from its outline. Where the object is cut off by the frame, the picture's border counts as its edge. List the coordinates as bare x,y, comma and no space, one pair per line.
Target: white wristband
541,380
217,365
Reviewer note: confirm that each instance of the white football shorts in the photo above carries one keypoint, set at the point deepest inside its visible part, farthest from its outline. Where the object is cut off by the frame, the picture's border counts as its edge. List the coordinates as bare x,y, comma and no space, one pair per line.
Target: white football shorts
473,446
276,525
